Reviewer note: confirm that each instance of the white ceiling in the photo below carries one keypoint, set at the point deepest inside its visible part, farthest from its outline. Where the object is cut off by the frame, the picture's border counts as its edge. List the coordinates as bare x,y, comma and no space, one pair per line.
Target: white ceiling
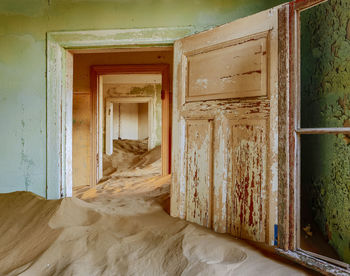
132,78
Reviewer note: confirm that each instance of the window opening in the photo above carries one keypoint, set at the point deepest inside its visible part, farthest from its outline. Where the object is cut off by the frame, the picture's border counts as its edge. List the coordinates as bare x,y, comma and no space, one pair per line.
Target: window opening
323,131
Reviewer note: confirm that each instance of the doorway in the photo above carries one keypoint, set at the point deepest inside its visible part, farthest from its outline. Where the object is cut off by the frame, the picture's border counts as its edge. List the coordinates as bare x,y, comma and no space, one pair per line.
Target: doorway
132,123
127,107
129,135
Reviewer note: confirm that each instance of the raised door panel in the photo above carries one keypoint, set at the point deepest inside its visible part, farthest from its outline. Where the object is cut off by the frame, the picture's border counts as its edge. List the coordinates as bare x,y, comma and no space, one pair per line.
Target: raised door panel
199,137
247,193
237,70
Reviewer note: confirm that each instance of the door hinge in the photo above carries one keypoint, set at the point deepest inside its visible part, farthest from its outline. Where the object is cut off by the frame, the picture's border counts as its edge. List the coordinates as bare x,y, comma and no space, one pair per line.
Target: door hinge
97,160
162,94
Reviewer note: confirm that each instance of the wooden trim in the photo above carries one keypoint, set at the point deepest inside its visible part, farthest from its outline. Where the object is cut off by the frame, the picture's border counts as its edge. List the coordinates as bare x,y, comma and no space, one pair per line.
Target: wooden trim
130,69
67,186
109,122
289,219
129,100
121,50
120,38
327,259
283,141
292,120
100,120
313,262
329,130
296,32
163,69
93,118
300,5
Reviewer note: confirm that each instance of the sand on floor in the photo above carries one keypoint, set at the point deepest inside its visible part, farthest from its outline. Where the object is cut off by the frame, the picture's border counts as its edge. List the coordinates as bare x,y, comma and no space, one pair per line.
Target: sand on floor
120,227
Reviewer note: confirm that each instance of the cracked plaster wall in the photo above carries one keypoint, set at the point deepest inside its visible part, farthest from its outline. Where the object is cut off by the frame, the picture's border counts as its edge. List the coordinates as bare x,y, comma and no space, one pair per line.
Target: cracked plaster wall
325,102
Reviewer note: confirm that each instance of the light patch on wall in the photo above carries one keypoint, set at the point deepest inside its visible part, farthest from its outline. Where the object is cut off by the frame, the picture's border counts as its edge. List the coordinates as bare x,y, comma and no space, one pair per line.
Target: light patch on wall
23,158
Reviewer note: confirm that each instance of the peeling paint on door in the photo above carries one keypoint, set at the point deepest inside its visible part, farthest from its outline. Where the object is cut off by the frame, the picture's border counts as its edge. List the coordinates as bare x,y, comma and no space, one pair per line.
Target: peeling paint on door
199,171
225,123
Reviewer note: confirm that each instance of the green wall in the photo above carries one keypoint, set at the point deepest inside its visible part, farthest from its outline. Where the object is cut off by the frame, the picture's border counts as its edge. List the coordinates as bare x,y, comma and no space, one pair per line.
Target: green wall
23,28
325,100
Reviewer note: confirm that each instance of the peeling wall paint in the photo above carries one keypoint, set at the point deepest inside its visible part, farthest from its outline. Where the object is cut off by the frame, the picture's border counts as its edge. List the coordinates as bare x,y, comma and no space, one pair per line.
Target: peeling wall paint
325,102
23,28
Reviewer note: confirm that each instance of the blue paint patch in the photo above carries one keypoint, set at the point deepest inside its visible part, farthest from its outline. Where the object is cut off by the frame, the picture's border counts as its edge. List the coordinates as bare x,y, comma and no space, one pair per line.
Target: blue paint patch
275,242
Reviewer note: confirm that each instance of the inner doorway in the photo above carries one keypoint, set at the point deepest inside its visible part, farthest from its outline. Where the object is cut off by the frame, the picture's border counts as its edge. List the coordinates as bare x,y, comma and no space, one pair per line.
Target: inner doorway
132,124
121,99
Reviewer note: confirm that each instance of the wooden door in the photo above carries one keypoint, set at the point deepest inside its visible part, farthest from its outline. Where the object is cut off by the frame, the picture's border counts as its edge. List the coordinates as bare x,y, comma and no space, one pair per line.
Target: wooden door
225,127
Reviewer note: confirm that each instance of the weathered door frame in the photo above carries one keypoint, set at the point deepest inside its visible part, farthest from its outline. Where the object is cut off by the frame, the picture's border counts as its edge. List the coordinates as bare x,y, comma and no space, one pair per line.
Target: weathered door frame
109,130
99,70
289,144
60,89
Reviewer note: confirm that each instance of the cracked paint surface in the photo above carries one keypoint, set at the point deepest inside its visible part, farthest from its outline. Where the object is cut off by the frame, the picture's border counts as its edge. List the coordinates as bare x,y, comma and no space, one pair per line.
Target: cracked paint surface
325,102
230,176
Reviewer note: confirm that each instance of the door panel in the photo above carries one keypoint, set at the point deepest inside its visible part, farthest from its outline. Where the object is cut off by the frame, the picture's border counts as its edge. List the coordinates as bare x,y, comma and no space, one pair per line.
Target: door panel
199,152
246,218
237,70
225,168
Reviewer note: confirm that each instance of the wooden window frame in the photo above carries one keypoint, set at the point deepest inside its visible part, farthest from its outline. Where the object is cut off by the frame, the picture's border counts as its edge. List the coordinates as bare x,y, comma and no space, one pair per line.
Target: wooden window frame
99,70
289,148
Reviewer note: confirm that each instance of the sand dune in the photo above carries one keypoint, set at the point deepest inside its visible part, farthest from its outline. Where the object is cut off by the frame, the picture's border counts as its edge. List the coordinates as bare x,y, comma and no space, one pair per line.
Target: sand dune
131,158
120,227
124,154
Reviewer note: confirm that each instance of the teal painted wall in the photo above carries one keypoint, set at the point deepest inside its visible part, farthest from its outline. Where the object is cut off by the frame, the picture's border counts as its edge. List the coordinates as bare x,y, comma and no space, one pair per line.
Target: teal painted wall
325,99
23,28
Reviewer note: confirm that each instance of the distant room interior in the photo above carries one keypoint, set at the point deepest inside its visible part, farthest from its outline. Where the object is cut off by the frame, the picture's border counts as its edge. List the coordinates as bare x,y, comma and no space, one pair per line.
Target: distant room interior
132,128
130,115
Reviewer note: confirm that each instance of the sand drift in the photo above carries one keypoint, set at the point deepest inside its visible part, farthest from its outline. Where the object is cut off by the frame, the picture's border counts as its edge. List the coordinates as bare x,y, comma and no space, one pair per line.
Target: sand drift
120,227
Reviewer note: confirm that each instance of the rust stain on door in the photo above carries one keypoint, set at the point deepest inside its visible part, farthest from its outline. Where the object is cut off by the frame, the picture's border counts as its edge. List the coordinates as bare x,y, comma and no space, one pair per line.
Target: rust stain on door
199,171
225,128
246,216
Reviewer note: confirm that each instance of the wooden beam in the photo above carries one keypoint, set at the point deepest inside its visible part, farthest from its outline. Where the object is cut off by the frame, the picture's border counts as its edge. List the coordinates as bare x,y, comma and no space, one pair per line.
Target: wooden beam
300,5
283,120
